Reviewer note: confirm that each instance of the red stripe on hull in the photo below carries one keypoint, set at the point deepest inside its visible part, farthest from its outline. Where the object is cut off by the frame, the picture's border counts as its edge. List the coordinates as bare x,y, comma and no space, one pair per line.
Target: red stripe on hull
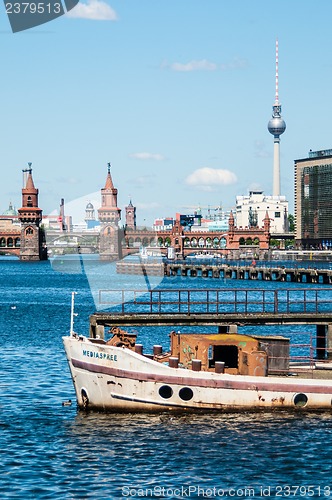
198,382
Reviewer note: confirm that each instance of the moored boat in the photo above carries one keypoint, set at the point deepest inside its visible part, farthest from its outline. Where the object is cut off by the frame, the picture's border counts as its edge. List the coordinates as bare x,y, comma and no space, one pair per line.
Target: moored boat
222,371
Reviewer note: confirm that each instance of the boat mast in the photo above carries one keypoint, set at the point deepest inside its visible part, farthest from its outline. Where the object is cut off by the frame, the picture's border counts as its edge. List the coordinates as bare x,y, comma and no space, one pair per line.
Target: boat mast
72,313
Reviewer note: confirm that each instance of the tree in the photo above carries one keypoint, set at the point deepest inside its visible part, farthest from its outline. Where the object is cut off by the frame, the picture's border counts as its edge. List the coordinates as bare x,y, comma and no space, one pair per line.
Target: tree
291,223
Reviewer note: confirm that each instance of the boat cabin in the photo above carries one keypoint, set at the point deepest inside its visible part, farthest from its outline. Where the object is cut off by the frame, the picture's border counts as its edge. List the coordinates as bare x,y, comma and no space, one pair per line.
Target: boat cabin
229,352
232,352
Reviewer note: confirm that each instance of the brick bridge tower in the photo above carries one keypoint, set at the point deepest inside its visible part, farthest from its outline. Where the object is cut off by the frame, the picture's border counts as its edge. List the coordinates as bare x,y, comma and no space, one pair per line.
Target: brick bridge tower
109,215
30,216
177,237
130,216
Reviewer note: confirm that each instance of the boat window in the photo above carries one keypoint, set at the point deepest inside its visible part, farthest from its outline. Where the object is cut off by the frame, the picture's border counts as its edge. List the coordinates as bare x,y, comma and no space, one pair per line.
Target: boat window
300,399
186,393
226,353
165,391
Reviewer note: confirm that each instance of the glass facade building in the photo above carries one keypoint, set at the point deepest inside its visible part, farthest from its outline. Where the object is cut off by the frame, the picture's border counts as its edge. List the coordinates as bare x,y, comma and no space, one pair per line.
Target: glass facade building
313,200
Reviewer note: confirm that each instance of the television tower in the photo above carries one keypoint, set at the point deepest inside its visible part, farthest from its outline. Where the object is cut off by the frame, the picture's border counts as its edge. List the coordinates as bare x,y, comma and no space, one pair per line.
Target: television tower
276,127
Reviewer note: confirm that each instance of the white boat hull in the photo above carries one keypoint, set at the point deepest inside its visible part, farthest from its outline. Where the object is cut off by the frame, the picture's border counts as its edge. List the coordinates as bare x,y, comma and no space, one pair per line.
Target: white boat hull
115,379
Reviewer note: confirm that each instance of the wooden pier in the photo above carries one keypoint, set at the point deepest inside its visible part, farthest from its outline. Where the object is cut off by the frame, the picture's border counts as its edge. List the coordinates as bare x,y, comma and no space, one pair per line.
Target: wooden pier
226,271
219,308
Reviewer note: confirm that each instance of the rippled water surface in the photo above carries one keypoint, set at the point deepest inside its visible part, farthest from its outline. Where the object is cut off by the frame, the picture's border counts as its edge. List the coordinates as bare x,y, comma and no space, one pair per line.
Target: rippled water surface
48,450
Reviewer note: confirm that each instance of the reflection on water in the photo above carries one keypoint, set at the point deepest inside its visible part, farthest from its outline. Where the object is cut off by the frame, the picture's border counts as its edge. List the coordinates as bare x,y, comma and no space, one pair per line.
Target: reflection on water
50,451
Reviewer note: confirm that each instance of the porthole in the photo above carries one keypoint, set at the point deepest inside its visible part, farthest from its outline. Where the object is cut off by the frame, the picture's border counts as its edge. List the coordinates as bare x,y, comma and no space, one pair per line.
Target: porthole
165,391
300,399
186,394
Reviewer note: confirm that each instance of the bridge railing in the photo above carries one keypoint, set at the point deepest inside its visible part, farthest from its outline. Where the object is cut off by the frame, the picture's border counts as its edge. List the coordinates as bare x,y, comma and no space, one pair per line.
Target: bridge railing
216,301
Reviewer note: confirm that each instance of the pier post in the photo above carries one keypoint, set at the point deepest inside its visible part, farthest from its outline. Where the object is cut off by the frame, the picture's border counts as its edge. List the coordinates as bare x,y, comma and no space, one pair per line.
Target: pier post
320,341
219,367
227,328
157,349
100,331
196,365
173,362
139,348
329,342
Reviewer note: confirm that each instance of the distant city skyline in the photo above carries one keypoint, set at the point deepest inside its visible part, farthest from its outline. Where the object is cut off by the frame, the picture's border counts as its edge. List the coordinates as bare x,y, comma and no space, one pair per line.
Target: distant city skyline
176,95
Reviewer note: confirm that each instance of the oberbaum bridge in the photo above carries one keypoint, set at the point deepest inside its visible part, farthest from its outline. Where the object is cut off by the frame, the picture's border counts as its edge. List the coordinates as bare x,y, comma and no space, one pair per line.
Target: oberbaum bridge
30,241
23,235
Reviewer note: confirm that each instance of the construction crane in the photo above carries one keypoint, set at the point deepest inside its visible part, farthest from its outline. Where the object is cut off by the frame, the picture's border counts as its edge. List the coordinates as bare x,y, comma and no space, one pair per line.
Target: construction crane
216,216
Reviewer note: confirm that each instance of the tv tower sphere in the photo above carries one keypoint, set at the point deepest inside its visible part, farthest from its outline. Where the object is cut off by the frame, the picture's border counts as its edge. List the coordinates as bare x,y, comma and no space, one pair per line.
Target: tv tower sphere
276,125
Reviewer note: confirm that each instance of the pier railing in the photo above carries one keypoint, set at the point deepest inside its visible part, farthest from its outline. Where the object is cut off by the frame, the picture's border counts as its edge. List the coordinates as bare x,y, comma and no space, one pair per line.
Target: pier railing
219,301
221,308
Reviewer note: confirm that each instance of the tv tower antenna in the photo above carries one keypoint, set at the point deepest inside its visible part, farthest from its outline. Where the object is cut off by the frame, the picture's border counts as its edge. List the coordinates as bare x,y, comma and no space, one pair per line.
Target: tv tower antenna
277,72
276,127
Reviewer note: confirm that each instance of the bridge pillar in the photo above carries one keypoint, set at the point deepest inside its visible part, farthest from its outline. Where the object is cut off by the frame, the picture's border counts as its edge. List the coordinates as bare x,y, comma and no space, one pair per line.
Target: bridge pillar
227,328
321,341
174,271
97,331
100,331
228,273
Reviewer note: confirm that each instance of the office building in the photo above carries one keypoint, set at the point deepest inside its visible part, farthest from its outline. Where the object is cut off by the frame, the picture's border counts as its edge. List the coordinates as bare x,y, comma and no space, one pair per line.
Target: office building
313,204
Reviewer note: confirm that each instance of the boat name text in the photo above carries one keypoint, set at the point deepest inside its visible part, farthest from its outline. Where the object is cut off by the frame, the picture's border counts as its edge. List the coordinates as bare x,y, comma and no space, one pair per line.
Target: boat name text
100,355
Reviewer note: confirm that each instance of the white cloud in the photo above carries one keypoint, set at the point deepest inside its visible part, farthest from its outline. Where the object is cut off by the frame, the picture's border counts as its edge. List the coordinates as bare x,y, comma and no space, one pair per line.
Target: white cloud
202,65
147,206
205,65
147,156
208,178
255,186
96,10
236,63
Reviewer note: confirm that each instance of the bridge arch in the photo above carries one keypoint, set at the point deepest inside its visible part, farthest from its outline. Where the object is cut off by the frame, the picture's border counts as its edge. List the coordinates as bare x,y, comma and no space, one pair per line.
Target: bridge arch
223,242
215,242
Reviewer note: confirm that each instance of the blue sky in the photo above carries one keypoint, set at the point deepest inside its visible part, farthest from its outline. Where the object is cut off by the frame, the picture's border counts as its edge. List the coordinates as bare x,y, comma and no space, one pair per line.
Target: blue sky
176,94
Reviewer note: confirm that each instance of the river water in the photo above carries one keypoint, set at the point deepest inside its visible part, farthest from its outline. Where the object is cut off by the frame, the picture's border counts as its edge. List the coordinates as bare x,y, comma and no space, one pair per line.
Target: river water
51,451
